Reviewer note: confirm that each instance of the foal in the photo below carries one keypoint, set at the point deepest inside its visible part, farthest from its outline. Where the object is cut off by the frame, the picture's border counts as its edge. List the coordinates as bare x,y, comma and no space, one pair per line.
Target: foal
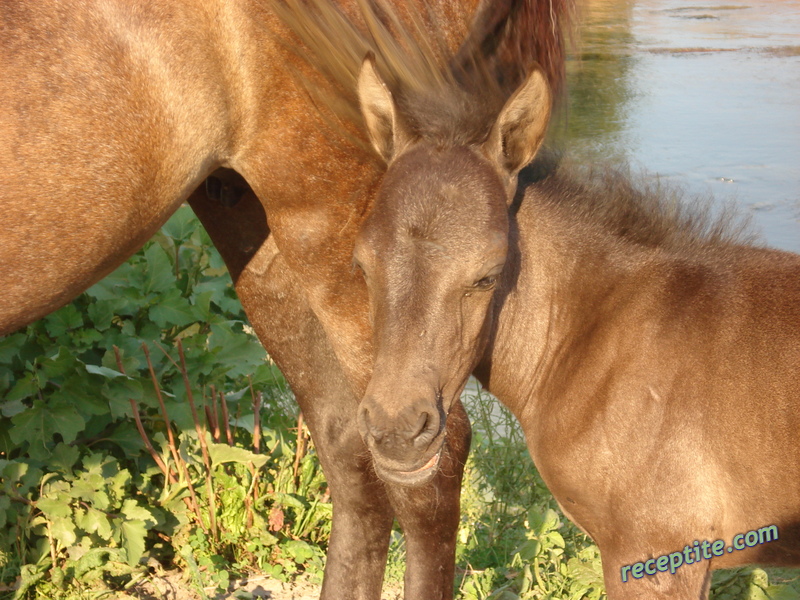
652,360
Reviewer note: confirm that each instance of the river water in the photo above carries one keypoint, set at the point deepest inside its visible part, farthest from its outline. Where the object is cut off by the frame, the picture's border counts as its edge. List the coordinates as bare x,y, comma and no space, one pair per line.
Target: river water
703,93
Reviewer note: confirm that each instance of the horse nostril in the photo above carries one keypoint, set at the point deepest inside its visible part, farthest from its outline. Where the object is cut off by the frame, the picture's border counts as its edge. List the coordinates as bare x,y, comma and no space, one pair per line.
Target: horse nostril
366,428
427,427
419,427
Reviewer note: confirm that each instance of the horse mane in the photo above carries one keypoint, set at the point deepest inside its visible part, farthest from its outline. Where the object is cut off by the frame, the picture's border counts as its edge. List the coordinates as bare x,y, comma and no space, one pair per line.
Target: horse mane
447,96
637,208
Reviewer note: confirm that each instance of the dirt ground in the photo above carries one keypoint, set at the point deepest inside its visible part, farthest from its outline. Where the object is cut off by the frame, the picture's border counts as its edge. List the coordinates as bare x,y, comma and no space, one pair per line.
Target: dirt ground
175,586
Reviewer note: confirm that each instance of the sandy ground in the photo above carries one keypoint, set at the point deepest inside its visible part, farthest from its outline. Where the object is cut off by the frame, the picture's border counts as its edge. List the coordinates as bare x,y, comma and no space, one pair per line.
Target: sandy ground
174,586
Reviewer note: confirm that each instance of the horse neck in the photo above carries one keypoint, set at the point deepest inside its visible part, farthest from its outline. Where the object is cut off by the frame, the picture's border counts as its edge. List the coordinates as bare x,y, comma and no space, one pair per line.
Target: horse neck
560,273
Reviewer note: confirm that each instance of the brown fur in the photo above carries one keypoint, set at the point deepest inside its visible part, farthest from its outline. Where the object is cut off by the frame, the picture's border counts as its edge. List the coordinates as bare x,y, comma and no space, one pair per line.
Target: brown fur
651,356
113,113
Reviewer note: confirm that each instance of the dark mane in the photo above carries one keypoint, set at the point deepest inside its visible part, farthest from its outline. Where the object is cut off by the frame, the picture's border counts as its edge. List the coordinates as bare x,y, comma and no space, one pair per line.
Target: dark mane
637,208
447,95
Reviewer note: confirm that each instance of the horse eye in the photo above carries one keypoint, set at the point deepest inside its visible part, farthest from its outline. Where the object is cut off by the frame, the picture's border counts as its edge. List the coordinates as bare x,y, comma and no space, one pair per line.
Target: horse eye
486,283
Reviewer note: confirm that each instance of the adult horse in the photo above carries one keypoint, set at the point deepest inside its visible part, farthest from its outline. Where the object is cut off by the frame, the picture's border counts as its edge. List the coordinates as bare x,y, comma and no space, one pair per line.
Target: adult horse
113,113
652,358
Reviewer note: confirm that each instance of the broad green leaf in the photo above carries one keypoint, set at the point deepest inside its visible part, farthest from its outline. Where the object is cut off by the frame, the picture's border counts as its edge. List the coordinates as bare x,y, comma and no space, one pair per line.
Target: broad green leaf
181,225
289,501
782,592
95,521
59,364
103,371
135,512
240,353
9,347
25,387
119,393
10,408
55,508
101,313
5,511
223,453
159,276
89,489
127,437
85,396
133,534
64,319
173,309
529,550
63,458
40,423
64,531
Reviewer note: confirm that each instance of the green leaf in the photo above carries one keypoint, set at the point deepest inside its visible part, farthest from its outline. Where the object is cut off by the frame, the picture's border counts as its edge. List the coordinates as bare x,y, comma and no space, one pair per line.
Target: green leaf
64,319
529,550
119,393
173,309
55,508
159,277
133,534
12,408
101,313
135,512
103,371
63,458
181,225
61,363
782,592
10,346
25,387
240,353
40,423
64,531
223,453
95,521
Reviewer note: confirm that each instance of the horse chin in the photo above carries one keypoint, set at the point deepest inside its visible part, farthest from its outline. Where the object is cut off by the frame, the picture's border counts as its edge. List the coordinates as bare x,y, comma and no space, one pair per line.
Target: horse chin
412,478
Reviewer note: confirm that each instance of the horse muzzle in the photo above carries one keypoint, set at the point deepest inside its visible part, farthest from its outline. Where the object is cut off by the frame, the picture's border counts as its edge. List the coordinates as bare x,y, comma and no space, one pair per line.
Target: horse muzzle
406,443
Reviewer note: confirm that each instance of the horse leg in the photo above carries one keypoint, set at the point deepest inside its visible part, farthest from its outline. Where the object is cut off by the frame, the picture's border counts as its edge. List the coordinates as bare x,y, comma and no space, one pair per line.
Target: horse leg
362,513
429,516
362,516
270,293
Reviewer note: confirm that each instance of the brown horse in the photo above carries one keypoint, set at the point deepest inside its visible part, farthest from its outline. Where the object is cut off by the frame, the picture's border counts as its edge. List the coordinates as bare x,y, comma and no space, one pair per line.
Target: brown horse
651,357
114,112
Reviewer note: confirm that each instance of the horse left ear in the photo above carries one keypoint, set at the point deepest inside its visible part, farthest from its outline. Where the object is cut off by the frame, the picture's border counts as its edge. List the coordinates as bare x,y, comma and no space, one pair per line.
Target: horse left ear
521,126
380,111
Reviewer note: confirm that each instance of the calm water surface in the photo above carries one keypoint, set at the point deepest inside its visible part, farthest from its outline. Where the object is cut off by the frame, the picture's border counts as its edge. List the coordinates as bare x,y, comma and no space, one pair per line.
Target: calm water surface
703,93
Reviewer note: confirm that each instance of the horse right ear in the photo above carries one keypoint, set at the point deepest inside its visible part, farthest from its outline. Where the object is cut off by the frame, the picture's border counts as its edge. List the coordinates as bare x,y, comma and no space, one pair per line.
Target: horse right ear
379,111
521,126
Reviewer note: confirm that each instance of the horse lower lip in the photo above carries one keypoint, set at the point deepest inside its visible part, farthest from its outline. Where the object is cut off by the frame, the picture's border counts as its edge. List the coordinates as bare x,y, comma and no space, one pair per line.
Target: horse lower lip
428,465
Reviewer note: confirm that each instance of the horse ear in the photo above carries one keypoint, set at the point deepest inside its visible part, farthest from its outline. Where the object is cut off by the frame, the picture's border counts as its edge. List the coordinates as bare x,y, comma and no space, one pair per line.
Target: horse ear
379,110
520,129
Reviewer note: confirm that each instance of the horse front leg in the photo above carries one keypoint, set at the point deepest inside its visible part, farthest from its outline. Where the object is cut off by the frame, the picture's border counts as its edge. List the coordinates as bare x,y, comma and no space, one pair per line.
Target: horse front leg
363,504
430,515
270,294
362,515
